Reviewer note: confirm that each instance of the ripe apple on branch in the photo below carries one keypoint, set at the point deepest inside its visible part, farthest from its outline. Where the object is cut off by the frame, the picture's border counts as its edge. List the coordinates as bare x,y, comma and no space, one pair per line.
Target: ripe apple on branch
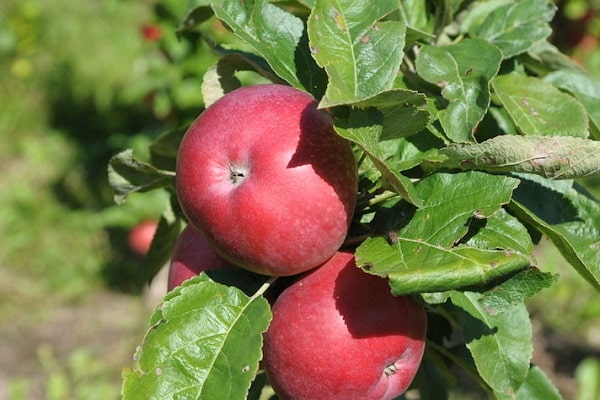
262,174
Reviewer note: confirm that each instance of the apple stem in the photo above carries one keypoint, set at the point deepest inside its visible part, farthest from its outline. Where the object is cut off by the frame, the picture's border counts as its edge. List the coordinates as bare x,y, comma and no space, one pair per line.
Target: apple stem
236,174
390,370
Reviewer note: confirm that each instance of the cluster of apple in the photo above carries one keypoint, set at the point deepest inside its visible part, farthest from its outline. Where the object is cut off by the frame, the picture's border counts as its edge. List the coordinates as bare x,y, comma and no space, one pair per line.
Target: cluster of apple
268,186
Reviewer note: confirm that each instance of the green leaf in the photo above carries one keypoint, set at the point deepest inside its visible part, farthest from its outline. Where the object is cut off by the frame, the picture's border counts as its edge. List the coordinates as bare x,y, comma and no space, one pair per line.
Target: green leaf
571,220
365,128
127,175
197,12
220,78
276,35
538,108
544,57
537,386
204,342
404,112
553,157
451,201
501,227
416,267
500,344
163,150
477,12
517,26
421,250
463,71
584,88
360,52
163,242
515,290
416,16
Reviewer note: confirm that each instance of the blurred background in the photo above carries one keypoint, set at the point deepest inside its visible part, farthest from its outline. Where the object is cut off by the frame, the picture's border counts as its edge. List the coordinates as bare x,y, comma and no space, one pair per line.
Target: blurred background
81,81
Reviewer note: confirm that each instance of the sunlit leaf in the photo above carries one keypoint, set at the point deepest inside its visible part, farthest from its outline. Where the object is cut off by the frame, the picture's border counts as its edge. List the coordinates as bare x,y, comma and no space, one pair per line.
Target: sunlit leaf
220,78
204,343
516,26
537,386
360,52
554,157
539,108
584,88
514,291
422,251
277,35
500,344
463,71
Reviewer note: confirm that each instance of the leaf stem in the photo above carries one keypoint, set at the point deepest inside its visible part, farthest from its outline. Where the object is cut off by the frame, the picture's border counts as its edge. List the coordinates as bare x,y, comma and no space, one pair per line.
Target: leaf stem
375,198
381,198
261,290
352,241
463,364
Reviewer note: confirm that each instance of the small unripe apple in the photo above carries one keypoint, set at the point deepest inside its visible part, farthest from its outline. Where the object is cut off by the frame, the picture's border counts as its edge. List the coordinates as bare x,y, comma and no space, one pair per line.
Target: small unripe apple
192,255
140,236
338,333
263,175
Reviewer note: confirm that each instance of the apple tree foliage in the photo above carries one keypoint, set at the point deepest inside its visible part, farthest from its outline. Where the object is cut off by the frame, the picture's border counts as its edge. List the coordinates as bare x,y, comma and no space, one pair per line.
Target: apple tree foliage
472,133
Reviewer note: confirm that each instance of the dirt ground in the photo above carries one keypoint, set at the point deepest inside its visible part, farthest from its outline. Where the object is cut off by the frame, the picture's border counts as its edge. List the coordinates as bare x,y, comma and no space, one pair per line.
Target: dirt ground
107,326
104,329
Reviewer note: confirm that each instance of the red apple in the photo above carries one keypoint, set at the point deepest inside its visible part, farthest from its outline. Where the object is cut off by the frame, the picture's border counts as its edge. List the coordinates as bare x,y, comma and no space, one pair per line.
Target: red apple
192,255
263,175
338,333
140,236
151,33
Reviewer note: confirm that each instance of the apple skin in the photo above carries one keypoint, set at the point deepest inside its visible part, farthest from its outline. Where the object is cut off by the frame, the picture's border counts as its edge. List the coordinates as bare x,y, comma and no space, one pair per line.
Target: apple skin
263,175
337,330
192,255
140,237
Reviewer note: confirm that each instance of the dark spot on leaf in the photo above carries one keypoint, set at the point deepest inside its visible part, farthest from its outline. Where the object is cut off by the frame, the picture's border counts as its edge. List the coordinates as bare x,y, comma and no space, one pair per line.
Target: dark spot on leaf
468,164
392,237
478,214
